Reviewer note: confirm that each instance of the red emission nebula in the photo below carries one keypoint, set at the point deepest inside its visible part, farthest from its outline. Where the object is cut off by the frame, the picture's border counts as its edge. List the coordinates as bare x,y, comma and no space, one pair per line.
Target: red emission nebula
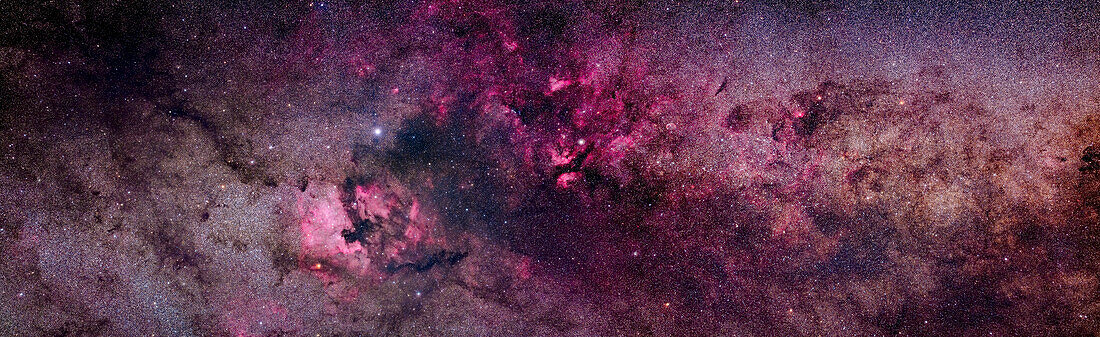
557,168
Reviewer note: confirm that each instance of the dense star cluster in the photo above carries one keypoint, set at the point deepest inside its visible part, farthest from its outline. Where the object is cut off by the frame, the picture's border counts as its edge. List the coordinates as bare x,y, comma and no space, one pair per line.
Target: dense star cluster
560,168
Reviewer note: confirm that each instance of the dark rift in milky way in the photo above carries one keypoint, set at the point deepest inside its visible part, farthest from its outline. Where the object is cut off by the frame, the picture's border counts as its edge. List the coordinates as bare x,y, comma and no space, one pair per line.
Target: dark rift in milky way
444,258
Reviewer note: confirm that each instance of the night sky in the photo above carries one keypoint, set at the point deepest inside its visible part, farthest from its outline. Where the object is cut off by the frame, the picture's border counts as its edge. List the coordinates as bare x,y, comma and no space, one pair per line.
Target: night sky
562,168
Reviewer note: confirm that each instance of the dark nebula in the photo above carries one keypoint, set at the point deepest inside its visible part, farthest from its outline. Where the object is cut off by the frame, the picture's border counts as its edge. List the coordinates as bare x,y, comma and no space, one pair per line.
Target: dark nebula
562,168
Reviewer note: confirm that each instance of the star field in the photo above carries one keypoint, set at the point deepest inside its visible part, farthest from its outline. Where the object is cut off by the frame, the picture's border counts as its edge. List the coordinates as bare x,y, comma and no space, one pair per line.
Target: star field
562,168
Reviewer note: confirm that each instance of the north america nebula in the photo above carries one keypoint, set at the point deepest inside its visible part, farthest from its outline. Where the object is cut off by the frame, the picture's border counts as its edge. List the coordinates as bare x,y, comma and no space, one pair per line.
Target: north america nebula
557,168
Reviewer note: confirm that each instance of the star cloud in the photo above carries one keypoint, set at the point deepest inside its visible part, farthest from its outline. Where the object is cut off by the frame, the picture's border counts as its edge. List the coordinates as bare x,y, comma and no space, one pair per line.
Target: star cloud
485,168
